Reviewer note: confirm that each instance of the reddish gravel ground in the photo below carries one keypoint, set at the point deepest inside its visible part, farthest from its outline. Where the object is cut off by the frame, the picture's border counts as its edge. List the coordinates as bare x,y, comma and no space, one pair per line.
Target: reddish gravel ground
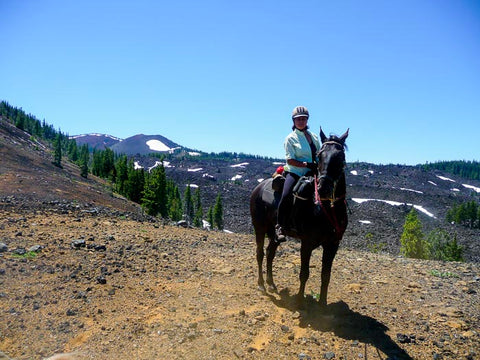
104,287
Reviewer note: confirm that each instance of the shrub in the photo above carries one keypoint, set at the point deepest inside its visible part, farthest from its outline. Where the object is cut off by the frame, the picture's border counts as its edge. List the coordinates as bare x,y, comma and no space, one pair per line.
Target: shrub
442,247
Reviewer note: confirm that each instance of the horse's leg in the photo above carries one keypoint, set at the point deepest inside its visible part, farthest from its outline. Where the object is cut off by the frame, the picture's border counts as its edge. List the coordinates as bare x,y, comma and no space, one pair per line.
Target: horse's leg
271,250
305,254
329,252
260,239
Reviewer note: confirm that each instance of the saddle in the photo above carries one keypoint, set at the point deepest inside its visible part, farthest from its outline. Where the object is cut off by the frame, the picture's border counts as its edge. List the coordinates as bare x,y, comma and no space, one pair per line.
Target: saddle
302,191
272,191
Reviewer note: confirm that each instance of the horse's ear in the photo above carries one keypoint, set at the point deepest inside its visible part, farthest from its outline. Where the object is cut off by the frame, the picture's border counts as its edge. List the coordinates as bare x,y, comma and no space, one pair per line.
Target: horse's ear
344,136
322,135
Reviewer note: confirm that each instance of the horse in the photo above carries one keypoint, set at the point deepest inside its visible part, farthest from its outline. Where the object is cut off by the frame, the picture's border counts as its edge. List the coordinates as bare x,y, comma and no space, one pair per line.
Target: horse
319,220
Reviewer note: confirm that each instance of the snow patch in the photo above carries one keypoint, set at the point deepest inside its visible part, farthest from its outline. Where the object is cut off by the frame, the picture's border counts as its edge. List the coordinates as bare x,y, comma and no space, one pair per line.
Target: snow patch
415,191
354,172
195,170
193,186
137,166
242,165
445,178
157,145
260,180
474,188
370,171
95,134
431,182
157,163
208,176
236,177
365,221
396,203
206,225
455,189
193,153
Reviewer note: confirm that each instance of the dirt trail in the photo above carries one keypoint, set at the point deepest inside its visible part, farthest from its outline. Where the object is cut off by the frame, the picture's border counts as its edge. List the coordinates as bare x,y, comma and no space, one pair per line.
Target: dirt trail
114,288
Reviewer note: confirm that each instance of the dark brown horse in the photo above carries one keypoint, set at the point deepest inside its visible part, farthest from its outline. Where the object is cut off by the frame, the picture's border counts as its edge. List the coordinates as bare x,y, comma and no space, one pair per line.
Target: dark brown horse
319,220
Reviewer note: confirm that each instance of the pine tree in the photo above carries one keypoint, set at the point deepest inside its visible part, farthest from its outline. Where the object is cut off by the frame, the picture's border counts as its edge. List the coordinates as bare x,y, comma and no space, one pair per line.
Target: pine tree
154,198
218,213
84,157
175,208
412,241
197,204
57,155
97,163
135,183
121,169
108,164
188,205
210,217
73,150
20,121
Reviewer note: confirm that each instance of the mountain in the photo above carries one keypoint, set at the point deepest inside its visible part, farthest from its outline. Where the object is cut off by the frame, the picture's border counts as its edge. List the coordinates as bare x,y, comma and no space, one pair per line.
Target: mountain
379,196
96,141
139,144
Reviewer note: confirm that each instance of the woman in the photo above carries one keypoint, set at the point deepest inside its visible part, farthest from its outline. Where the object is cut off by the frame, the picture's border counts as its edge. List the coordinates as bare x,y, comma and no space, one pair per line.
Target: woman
300,152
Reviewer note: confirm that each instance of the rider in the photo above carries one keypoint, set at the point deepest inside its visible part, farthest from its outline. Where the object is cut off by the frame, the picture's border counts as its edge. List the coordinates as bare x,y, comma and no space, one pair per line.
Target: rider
301,147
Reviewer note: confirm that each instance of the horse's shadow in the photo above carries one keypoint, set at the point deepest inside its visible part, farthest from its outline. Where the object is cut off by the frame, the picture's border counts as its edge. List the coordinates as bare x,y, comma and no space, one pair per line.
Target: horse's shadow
343,322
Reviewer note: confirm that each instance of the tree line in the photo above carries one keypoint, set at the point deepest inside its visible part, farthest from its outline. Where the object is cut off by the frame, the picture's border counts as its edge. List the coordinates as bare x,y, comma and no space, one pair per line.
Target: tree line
465,169
466,214
61,143
158,195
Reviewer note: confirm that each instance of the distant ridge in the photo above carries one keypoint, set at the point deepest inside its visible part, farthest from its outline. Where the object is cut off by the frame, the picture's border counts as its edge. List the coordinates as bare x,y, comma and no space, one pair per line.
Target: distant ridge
139,144
96,141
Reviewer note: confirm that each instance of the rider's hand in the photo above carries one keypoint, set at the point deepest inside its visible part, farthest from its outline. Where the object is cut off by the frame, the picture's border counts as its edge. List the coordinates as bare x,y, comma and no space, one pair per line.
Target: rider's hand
312,166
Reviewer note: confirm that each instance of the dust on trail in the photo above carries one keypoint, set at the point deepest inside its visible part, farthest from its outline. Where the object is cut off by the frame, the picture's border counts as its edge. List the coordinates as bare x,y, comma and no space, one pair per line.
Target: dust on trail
146,291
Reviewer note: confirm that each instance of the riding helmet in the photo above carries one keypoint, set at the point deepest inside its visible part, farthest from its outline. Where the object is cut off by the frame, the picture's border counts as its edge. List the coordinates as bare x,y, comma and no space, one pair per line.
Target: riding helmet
300,111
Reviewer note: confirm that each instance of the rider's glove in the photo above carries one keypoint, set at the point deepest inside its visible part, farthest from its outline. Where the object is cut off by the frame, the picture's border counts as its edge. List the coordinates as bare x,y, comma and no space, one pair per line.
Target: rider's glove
312,166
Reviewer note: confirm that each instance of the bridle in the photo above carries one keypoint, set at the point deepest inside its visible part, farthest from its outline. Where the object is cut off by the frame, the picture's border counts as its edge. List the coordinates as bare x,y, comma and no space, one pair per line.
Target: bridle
331,198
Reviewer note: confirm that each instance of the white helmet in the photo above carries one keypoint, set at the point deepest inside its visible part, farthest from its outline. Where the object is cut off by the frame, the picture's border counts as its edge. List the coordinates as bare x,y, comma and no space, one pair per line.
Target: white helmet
300,111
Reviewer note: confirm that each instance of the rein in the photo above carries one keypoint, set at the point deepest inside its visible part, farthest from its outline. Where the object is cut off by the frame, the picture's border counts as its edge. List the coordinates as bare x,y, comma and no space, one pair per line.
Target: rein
330,214
332,199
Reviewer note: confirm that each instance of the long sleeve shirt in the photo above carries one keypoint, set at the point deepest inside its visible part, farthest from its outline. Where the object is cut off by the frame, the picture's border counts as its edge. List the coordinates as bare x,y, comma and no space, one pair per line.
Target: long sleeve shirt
297,148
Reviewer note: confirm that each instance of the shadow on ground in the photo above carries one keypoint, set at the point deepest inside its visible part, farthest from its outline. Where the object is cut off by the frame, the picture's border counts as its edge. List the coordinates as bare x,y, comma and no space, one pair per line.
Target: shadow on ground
343,322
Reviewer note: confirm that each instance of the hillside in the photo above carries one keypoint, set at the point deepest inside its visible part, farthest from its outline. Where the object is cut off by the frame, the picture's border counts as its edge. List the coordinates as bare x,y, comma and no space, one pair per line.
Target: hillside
394,187
84,272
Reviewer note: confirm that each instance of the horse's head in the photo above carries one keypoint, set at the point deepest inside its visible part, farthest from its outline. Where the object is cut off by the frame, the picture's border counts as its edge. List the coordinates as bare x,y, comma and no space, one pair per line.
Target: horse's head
331,162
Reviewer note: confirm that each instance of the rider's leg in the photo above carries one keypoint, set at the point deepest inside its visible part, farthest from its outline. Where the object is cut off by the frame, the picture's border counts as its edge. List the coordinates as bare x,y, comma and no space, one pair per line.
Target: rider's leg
284,205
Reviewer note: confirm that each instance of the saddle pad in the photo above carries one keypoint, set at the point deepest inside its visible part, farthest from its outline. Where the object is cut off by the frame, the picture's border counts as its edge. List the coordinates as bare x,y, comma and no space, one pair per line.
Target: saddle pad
269,196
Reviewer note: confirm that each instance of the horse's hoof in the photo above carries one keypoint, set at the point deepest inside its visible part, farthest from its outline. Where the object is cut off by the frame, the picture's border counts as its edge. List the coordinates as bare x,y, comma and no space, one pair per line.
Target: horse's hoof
262,288
322,303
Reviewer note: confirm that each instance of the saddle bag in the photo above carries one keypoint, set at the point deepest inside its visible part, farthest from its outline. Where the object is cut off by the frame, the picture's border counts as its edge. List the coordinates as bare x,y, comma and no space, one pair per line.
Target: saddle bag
304,188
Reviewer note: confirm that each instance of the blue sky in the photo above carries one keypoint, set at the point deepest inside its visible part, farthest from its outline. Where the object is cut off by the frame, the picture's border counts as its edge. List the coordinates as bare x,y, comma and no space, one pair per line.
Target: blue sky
403,75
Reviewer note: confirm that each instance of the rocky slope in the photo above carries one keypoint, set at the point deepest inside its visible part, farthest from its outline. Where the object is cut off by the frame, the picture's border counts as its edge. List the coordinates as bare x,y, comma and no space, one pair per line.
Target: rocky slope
107,287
